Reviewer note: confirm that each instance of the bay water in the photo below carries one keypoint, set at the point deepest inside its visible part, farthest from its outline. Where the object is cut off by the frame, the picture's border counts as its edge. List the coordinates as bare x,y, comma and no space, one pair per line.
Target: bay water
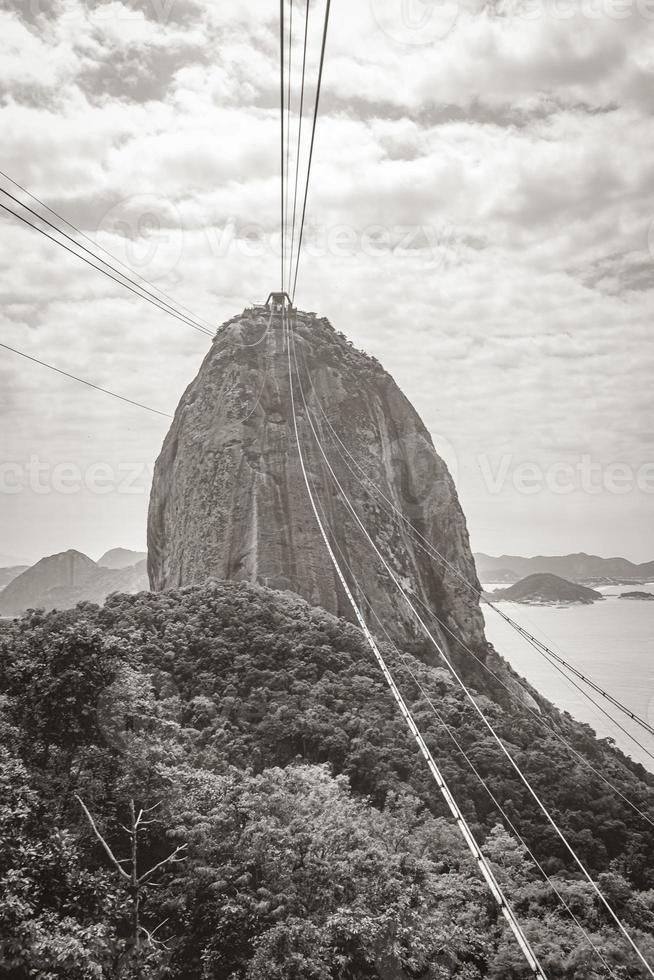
610,641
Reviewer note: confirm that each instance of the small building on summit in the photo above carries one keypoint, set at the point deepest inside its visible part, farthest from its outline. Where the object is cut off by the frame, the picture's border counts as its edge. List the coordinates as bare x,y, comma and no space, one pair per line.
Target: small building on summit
280,301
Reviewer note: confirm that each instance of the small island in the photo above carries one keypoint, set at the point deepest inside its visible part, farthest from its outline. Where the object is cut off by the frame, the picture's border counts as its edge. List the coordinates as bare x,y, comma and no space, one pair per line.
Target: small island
546,589
642,596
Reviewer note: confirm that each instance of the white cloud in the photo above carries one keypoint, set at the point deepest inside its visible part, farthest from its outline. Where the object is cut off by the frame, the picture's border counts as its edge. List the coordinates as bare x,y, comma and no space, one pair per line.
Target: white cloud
507,164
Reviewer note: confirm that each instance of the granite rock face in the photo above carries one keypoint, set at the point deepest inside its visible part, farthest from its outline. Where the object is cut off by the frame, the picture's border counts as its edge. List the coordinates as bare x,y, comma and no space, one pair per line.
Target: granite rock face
228,498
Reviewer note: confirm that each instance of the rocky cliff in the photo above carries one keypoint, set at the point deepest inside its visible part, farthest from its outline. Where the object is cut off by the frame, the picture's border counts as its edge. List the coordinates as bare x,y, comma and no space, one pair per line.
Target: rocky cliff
228,499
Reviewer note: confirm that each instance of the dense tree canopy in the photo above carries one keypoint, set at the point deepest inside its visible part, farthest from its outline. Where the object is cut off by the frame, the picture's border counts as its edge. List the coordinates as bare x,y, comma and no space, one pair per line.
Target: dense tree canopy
319,848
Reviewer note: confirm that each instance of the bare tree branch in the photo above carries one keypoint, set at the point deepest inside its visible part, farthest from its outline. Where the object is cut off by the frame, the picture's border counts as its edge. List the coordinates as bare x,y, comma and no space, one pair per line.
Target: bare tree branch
136,883
157,928
169,860
151,934
99,836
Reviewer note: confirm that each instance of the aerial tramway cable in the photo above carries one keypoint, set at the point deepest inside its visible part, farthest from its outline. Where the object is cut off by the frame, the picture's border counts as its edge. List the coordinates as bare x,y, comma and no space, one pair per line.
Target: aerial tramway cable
533,640
144,294
592,700
450,732
299,138
288,340
466,691
311,145
537,716
174,302
433,553
98,268
467,834
282,144
89,384
288,128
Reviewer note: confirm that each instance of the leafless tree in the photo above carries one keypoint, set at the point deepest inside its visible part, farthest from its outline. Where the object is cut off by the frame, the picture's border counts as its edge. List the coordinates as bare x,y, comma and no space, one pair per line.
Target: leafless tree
134,882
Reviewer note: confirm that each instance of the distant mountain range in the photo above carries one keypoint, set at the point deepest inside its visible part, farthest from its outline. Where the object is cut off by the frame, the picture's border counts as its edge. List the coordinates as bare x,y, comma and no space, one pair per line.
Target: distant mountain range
576,568
61,581
121,558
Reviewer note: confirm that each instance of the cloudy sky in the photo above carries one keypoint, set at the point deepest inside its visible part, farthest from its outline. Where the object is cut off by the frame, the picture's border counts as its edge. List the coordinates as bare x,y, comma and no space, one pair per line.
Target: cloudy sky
480,219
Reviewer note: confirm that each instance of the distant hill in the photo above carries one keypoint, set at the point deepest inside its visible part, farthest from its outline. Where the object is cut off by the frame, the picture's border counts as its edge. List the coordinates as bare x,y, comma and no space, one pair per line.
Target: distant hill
67,570
11,561
7,575
129,580
639,596
576,568
121,558
546,588
61,581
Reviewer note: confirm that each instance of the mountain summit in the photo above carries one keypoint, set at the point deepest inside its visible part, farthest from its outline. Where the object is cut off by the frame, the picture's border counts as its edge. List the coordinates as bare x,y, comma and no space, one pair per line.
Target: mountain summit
61,581
228,498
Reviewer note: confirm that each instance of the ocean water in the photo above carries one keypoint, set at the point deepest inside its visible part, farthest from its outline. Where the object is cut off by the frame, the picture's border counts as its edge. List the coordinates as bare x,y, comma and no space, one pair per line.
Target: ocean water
611,642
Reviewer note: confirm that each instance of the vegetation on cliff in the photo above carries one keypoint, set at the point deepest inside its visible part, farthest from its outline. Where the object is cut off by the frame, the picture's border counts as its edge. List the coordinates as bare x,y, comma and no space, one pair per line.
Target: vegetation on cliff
317,846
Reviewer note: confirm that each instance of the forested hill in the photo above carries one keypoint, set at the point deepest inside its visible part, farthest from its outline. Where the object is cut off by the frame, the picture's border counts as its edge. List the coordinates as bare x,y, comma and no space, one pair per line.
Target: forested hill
317,846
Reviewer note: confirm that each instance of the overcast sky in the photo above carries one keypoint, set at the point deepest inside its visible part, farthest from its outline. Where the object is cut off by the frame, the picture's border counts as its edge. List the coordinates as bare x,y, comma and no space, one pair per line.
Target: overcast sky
480,220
